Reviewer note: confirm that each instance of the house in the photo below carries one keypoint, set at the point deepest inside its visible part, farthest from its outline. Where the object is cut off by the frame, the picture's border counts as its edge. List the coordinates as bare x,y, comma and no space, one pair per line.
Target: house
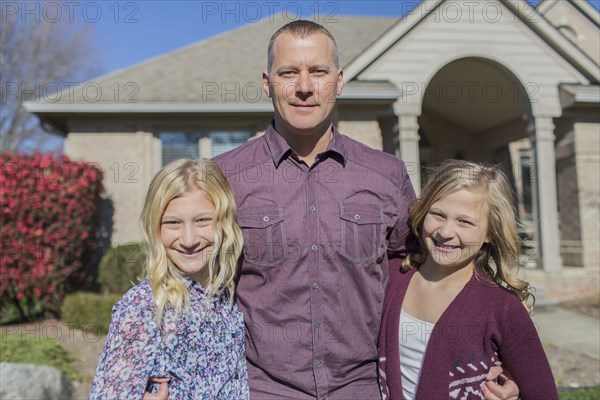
494,80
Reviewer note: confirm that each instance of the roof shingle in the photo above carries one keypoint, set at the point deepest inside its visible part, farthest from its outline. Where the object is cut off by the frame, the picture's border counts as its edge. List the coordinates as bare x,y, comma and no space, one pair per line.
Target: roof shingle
222,69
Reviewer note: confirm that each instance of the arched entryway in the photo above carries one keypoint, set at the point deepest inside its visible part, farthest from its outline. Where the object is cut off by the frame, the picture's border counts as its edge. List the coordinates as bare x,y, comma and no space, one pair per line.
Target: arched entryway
476,109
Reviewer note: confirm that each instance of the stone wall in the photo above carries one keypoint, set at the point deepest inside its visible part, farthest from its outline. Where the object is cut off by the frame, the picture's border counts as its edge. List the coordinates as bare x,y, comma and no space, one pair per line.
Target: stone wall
129,161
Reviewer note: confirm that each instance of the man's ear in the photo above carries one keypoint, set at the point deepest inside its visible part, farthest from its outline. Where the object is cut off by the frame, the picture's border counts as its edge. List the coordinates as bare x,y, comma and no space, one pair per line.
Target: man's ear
266,88
340,81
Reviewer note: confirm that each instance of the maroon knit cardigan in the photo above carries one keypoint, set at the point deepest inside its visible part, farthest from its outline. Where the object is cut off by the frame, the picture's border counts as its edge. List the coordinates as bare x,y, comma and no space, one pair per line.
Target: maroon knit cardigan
484,325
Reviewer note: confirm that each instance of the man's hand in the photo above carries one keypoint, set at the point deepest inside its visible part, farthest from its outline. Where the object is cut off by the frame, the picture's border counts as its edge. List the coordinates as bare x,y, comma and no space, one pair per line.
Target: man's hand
163,390
504,389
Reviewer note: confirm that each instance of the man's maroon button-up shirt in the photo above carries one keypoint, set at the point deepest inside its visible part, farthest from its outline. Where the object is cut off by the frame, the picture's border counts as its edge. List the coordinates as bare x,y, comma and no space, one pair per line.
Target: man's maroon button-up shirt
314,267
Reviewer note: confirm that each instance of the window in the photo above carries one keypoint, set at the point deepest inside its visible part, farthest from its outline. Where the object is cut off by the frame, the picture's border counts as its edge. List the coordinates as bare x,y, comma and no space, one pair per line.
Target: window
569,32
527,168
195,144
179,145
223,141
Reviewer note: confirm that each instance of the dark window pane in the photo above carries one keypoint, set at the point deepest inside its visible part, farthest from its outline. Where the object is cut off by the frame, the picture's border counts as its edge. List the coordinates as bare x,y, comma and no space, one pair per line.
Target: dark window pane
225,141
177,145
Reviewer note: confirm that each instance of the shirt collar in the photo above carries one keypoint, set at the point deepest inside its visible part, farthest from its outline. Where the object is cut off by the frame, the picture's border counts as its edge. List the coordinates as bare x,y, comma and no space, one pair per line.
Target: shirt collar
193,285
280,149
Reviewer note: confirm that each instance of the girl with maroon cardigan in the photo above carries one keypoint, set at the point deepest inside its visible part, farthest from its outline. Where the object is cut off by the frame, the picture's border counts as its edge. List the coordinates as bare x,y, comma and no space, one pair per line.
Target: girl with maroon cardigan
455,309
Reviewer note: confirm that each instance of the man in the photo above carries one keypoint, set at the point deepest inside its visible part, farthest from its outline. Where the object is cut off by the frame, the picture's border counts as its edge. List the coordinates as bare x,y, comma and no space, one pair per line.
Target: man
321,214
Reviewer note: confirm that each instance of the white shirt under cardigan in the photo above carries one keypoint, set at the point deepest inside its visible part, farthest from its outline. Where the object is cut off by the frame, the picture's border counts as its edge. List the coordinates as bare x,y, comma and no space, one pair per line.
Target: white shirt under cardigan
413,338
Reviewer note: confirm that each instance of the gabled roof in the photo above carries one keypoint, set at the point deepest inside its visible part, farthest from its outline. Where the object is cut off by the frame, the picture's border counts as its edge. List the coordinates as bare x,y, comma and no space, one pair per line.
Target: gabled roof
583,6
226,68
223,74
520,8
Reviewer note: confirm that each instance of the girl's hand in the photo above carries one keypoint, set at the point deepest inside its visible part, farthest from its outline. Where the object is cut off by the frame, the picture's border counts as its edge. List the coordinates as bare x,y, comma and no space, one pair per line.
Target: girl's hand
499,385
163,390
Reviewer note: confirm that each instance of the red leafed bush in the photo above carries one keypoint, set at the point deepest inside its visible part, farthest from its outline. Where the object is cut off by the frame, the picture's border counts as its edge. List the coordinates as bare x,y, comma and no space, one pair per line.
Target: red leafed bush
48,211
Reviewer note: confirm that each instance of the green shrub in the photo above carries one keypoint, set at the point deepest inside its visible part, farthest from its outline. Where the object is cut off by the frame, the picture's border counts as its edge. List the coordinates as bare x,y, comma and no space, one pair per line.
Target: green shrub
32,349
89,311
580,394
120,268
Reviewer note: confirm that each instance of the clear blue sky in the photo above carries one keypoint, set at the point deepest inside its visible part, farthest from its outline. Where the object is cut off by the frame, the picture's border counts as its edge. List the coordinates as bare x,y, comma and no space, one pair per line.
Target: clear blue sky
128,32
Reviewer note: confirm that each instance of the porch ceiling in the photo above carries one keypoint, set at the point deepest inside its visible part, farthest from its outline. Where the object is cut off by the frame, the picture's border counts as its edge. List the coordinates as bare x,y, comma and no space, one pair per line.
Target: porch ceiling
474,93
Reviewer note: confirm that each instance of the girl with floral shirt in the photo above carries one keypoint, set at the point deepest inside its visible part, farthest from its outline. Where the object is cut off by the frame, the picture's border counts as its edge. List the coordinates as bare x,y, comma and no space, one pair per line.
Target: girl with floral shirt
180,323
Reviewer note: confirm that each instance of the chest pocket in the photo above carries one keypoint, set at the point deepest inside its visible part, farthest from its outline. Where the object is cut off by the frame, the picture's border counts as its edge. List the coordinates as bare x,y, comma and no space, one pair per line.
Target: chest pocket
264,235
361,230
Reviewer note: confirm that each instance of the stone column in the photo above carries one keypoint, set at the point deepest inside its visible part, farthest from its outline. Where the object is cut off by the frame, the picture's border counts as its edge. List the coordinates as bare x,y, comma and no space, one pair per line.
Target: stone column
543,142
408,135
205,147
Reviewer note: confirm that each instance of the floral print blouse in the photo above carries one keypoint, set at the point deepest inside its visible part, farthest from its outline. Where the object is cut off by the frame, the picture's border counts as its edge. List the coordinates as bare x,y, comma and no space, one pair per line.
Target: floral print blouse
201,351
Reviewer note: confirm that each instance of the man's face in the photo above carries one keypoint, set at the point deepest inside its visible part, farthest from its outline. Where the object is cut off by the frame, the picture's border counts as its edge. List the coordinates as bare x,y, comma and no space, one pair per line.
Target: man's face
303,84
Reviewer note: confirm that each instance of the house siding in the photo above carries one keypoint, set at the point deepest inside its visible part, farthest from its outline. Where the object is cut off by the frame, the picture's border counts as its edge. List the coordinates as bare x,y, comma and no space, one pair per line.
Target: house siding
437,41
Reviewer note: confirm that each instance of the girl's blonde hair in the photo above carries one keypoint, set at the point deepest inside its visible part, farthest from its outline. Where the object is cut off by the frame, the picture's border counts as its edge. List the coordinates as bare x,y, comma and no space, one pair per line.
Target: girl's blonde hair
172,181
499,257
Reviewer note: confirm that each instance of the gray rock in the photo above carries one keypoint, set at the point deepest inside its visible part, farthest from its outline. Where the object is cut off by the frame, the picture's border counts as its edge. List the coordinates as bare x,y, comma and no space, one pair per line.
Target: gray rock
33,382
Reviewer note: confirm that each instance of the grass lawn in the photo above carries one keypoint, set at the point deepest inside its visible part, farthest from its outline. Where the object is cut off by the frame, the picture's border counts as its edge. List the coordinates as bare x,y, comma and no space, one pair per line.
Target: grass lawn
32,349
580,394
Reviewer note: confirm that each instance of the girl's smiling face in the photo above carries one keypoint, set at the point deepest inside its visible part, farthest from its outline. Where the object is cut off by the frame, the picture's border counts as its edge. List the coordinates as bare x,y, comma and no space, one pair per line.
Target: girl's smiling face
187,232
456,227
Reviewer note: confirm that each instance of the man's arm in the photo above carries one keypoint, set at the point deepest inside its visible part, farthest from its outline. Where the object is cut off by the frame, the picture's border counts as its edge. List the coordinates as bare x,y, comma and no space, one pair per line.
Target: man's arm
163,390
401,240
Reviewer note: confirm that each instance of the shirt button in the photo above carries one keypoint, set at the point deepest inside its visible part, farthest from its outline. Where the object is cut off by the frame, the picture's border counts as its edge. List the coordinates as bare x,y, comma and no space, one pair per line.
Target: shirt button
314,247
312,208
317,325
266,218
236,376
315,285
356,216
318,364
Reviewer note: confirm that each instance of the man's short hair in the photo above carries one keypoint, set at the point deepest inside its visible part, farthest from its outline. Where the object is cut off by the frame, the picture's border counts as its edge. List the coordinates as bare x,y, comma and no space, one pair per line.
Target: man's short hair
301,28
